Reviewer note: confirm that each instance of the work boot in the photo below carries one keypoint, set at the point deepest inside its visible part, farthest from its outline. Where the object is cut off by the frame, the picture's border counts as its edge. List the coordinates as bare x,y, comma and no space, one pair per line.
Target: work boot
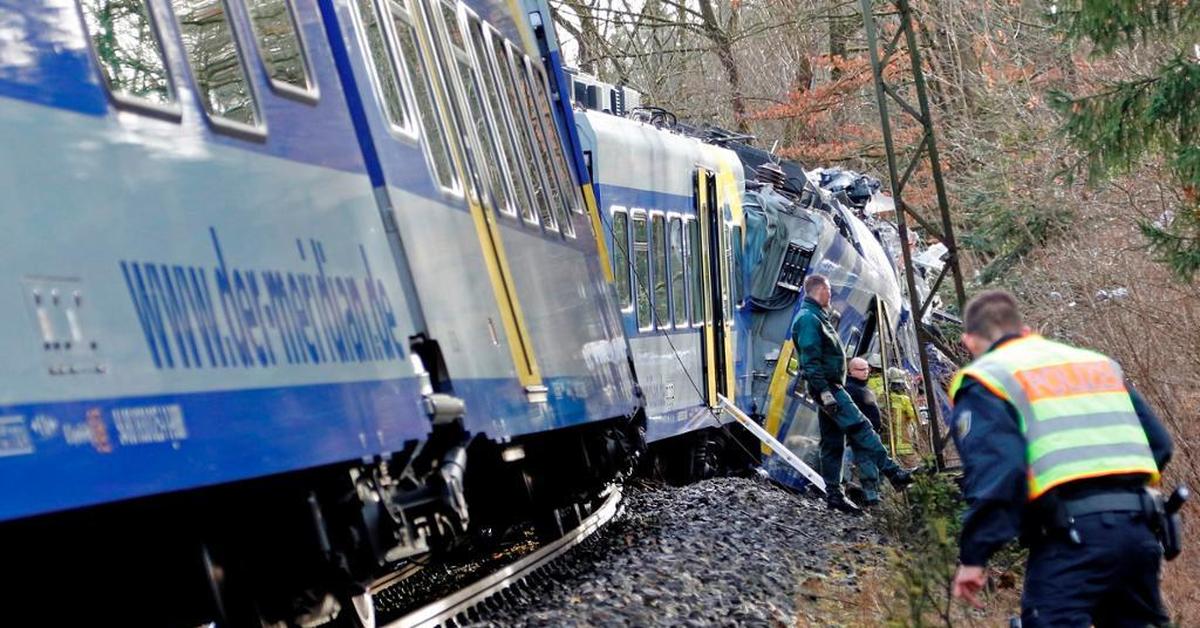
856,493
901,478
839,501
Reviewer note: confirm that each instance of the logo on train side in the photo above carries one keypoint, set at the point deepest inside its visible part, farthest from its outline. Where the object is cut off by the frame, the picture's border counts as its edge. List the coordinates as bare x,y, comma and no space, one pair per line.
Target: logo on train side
99,431
229,317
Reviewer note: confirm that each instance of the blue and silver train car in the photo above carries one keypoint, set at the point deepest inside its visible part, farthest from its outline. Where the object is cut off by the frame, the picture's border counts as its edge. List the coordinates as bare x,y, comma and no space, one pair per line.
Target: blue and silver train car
298,288
672,207
701,323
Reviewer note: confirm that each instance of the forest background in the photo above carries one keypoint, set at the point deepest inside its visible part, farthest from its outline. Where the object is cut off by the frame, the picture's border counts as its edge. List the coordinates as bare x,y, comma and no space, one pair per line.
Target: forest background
1067,134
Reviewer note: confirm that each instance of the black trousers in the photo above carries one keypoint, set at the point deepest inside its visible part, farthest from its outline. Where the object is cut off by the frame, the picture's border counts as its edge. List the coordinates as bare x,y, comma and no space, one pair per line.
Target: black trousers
1110,578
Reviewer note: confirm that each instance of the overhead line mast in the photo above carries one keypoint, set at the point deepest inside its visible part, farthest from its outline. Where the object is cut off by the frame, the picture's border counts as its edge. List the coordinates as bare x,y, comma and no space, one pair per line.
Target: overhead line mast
898,13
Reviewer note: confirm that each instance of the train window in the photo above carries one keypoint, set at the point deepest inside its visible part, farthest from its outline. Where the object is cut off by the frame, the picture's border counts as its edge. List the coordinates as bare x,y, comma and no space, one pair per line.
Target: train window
520,127
641,271
130,53
545,155
216,64
727,253
678,292
382,69
695,276
478,116
435,135
281,46
559,165
492,88
738,287
662,298
621,258
451,20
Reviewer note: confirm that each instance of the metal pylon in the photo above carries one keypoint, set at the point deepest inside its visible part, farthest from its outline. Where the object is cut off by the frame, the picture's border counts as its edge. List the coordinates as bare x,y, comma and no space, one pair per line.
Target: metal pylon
899,13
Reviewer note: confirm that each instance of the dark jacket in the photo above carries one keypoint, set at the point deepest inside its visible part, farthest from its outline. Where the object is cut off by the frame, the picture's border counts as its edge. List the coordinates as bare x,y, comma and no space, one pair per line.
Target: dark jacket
988,436
866,401
820,352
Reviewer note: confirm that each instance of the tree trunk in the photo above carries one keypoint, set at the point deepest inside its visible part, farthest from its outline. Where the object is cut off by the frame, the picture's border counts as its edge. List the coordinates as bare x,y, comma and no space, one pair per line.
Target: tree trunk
723,46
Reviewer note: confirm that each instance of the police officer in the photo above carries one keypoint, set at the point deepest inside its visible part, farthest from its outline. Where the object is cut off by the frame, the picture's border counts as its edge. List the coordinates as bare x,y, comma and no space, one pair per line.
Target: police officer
823,367
1056,449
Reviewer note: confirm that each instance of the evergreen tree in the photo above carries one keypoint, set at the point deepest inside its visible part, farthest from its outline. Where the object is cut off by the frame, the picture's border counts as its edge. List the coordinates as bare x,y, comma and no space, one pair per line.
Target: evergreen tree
1148,114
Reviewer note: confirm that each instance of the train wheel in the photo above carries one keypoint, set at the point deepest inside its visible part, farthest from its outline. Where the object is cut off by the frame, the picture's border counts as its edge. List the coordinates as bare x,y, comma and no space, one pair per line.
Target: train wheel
706,458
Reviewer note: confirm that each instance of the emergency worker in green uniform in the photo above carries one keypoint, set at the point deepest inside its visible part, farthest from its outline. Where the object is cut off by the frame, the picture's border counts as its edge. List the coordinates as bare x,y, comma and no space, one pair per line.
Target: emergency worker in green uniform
823,366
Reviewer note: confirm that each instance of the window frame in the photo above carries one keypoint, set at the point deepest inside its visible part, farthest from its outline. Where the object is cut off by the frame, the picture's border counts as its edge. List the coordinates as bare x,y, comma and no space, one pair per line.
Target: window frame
404,10
568,190
310,95
410,131
636,214
522,129
675,218
495,104
453,57
556,199
696,263
468,24
625,250
221,124
172,111
667,321
737,242
576,199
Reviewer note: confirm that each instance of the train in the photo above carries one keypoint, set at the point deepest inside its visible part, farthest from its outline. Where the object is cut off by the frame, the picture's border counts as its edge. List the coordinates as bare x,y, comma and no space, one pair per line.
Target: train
301,290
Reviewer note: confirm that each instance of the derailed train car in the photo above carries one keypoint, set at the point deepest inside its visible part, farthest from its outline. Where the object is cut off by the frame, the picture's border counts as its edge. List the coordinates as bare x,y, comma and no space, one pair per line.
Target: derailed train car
650,174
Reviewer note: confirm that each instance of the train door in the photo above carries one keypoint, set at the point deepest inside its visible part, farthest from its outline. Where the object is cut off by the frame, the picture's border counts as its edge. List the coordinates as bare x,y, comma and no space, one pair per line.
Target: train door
717,330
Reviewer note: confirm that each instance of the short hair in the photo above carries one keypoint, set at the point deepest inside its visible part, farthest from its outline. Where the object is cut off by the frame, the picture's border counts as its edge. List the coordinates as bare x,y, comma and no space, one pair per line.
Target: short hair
992,314
814,280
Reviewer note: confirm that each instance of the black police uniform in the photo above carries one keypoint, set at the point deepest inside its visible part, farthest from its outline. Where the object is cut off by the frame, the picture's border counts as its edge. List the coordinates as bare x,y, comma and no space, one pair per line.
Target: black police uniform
866,401
1102,570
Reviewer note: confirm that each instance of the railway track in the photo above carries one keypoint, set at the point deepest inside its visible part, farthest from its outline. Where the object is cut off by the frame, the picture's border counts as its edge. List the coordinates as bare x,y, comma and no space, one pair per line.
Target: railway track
452,609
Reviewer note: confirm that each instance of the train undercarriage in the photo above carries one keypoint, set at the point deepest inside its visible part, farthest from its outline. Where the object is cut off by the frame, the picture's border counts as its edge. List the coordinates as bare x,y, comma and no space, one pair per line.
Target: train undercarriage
301,549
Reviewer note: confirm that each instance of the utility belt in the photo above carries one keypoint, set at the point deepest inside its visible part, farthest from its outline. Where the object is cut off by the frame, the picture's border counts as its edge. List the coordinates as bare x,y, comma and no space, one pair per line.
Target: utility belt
1162,514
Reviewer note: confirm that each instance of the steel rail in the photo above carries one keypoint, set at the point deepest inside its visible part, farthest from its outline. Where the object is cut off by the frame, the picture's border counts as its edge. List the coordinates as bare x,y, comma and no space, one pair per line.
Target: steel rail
461,601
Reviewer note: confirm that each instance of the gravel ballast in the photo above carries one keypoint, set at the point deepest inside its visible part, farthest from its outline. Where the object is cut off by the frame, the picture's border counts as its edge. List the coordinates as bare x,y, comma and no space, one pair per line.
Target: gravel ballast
728,551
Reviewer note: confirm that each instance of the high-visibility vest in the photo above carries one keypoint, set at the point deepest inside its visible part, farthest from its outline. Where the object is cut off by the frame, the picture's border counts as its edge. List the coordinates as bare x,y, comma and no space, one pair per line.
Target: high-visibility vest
1073,408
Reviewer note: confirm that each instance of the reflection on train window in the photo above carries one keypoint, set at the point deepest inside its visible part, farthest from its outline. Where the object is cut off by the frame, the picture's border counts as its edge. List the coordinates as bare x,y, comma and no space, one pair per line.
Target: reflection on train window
451,20
678,294
738,287
543,155
727,271
507,146
478,116
127,46
621,258
541,94
216,65
695,275
520,126
387,86
641,272
435,136
280,43
542,122
662,300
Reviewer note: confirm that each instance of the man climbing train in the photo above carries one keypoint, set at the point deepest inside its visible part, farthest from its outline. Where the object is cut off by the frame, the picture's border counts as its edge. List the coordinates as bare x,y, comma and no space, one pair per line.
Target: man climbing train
1057,450
823,366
